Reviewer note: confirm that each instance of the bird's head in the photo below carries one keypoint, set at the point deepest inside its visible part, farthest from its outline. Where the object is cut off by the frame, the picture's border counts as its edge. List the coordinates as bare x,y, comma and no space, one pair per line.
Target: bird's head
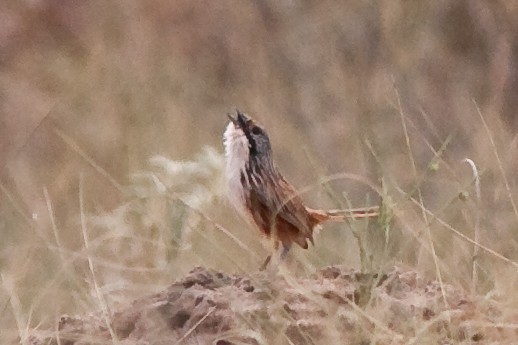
256,137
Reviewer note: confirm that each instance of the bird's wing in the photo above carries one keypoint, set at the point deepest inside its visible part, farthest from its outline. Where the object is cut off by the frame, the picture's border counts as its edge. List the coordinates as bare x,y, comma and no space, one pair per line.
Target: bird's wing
285,203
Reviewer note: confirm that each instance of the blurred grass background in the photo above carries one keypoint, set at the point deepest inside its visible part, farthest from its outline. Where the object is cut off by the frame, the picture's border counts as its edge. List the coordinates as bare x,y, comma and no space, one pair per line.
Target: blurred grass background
394,90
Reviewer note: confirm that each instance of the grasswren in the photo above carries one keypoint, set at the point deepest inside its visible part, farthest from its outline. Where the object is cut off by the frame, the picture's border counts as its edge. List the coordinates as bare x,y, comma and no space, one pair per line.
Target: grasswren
259,192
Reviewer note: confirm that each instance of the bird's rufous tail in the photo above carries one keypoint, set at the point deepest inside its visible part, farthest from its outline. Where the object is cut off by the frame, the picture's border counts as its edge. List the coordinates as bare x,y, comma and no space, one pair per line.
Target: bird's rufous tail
320,216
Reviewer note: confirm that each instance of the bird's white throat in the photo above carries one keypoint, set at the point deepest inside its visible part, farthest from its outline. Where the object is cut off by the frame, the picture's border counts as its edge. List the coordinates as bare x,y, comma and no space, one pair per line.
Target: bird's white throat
237,152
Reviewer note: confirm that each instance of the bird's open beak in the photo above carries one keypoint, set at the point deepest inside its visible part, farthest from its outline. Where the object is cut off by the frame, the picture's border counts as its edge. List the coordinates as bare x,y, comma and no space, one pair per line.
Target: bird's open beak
241,119
233,120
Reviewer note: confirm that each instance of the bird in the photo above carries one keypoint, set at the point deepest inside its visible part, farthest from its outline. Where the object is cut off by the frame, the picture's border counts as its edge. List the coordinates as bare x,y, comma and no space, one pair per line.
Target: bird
260,193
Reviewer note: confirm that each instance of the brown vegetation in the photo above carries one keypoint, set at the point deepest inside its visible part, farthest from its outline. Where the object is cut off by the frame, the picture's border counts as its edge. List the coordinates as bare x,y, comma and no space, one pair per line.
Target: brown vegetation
105,104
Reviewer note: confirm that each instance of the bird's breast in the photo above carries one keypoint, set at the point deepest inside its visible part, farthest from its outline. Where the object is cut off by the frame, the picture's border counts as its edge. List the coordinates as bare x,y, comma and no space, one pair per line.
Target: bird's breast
237,153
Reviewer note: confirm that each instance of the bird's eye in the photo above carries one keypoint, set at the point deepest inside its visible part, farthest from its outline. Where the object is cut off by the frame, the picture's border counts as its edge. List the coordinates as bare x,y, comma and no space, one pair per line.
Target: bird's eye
256,130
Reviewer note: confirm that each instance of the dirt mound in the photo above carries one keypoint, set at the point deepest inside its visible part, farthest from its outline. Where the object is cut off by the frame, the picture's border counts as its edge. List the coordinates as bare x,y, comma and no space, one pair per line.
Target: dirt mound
334,305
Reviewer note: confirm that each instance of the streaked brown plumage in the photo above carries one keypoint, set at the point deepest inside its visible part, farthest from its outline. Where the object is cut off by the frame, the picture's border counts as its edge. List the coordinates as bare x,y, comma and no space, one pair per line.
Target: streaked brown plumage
259,191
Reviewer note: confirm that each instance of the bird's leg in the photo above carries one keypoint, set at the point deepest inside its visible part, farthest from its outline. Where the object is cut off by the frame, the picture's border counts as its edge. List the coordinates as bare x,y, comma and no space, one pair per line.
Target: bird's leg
265,263
279,255
284,253
269,258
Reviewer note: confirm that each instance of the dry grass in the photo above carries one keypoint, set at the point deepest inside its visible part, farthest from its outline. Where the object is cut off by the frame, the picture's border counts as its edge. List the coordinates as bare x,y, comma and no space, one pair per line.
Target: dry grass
398,93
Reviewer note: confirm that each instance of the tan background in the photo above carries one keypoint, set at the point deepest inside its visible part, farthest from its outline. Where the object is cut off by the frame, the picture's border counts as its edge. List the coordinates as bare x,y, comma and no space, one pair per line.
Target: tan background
97,88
